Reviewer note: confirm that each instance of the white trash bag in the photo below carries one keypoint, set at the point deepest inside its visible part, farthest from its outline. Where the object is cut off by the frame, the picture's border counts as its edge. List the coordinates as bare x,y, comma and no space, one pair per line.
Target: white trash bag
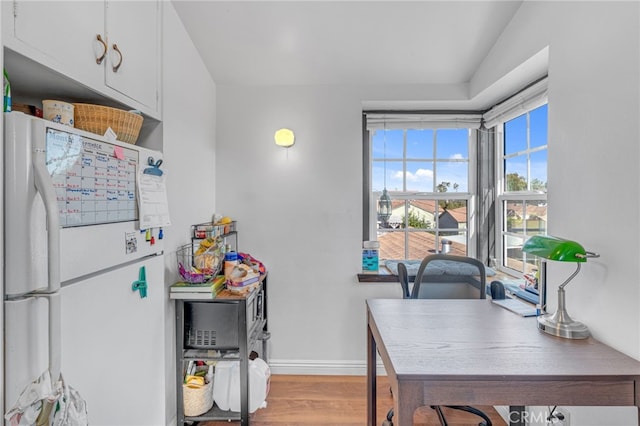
43,403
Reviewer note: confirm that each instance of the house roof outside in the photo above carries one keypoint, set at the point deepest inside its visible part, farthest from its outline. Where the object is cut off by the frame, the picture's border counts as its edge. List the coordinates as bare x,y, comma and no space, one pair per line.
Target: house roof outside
429,206
421,244
459,214
531,211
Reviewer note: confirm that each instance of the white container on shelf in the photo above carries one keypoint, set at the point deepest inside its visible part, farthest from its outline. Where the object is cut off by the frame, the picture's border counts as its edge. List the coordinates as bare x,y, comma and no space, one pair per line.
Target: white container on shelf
226,385
58,112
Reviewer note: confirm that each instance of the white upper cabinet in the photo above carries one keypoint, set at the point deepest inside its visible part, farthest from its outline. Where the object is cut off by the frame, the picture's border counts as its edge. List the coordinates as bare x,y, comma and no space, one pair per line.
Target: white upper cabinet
134,50
112,47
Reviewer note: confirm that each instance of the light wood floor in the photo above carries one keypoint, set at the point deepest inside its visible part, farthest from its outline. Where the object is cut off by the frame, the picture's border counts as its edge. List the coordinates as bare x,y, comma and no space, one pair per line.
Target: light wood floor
339,401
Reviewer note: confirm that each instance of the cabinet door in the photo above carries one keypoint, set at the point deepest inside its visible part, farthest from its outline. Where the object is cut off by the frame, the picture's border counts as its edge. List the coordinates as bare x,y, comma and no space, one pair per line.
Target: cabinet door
63,35
134,28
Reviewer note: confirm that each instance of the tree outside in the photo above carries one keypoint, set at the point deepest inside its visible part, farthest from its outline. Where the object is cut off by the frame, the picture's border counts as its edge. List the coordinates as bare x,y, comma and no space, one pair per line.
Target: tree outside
449,204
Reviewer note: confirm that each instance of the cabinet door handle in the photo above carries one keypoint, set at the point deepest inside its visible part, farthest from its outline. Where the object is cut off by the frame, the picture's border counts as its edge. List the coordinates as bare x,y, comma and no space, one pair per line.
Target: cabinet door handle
116,66
104,49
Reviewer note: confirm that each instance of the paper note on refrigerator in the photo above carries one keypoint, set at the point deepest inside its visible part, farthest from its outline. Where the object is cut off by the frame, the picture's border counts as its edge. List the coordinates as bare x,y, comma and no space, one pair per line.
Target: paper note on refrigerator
152,201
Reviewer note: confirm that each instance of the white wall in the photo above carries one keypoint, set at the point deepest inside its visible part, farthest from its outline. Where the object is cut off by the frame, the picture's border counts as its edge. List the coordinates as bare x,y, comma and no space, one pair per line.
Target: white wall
189,152
594,106
300,210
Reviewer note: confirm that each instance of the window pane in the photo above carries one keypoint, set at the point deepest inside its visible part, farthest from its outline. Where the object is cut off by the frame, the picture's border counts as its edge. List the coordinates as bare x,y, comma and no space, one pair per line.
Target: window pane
377,144
536,218
395,143
391,245
387,144
421,214
377,176
538,126
539,171
515,170
421,244
420,176
393,176
452,214
452,143
458,241
527,218
515,135
516,259
397,219
514,216
513,252
420,143
452,177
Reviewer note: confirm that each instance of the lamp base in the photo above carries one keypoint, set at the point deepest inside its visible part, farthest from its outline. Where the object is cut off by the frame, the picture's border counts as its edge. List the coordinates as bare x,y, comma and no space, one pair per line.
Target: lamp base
567,329
560,323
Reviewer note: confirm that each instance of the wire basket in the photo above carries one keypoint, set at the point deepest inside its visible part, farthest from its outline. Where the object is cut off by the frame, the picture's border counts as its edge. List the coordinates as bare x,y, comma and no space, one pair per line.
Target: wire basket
199,264
97,118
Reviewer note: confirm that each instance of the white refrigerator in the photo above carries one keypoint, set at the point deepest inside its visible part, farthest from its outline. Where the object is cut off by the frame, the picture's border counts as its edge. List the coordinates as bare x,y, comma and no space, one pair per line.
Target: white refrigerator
76,264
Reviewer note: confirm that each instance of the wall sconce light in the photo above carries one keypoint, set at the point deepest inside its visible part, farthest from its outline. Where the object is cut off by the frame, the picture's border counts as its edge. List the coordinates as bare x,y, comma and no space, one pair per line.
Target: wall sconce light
551,248
284,138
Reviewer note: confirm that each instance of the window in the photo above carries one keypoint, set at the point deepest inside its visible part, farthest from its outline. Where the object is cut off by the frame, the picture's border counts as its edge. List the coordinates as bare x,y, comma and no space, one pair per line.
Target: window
522,199
426,163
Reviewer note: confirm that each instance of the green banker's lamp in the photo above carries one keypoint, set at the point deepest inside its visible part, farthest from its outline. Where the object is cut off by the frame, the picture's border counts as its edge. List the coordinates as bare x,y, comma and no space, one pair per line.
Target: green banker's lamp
552,248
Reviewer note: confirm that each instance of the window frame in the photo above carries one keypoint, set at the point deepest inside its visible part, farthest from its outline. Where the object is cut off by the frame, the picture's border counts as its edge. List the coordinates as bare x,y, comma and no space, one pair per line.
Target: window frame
370,197
503,197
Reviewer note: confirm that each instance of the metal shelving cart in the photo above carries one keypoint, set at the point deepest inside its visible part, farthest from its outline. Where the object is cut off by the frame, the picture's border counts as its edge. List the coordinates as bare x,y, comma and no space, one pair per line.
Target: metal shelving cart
226,327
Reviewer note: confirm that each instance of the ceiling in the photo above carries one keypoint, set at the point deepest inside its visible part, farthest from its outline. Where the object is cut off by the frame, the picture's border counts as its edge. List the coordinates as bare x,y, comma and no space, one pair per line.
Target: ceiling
344,42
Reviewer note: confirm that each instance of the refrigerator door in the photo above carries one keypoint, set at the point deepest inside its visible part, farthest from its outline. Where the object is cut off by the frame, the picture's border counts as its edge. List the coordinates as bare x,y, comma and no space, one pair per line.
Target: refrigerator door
113,345
26,345
25,231
91,180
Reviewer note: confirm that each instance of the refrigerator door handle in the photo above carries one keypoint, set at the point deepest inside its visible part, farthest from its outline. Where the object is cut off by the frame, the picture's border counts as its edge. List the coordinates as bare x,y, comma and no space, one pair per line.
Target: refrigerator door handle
55,334
44,185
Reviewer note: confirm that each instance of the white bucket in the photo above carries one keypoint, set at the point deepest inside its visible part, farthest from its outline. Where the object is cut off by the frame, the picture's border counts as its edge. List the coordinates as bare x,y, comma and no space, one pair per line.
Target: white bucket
226,385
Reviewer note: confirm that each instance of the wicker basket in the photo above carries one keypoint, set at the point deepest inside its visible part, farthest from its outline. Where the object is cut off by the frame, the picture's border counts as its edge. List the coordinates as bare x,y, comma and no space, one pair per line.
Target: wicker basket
97,118
197,400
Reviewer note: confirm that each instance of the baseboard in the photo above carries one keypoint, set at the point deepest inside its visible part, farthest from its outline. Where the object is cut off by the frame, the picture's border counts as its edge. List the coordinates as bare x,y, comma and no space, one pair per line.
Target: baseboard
322,367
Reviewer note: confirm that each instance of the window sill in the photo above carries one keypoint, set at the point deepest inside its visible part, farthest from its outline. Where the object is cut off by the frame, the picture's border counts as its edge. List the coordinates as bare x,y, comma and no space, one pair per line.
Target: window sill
385,276
380,277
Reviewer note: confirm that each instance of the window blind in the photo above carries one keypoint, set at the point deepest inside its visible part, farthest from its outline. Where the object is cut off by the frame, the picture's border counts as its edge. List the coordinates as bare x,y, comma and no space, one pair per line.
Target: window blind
378,121
526,100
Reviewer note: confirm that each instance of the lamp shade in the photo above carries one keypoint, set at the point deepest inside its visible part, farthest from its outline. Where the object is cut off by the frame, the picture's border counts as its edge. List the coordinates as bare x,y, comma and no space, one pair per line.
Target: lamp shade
284,137
554,248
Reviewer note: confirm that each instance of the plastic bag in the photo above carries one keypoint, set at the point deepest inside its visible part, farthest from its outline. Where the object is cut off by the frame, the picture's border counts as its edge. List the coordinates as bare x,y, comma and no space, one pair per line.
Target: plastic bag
254,263
44,403
72,407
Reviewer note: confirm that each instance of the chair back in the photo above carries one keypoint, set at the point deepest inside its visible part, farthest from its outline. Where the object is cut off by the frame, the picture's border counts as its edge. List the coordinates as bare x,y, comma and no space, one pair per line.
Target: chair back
439,274
403,277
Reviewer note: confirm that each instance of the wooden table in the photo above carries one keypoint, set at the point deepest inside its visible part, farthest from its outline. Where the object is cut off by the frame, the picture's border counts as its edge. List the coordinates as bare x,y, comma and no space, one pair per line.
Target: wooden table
471,352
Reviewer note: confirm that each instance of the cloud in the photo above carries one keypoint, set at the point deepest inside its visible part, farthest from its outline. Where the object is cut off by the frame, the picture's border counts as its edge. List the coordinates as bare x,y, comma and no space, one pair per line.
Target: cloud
420,174
457,157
